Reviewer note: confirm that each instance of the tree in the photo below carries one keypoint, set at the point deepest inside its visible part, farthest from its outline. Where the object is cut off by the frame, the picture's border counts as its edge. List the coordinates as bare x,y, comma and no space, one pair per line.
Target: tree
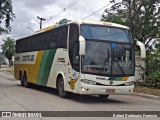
153,65
8,49
6,15
141,16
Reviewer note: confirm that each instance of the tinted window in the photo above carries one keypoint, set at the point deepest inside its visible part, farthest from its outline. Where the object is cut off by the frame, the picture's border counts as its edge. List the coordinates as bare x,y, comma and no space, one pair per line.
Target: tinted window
107,33
73,45
55,38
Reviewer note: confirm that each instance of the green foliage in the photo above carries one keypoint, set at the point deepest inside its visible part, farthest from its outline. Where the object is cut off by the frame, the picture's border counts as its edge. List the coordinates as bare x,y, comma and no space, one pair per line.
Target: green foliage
6,15
113,18
8,49
142,16
153,67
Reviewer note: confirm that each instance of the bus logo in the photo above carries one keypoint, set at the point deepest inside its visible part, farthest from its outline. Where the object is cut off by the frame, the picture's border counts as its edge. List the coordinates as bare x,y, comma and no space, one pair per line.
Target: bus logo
100,78
72,83
111,82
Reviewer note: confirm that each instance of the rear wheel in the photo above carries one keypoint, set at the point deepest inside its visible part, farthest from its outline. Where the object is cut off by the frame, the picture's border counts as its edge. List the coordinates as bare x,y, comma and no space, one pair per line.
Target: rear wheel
26,84
61,91
103,96
21,79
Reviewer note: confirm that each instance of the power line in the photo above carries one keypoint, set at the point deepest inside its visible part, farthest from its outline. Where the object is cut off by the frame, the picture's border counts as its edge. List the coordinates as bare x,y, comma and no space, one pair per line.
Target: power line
96,11
70,5
30,29
64,9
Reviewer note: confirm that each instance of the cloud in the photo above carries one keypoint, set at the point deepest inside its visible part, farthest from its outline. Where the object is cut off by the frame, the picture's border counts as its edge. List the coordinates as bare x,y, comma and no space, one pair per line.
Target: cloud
26,12
33,4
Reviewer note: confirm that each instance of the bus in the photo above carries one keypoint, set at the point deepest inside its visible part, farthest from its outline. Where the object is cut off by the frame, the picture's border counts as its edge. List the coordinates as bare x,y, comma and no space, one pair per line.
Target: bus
140,61
80,57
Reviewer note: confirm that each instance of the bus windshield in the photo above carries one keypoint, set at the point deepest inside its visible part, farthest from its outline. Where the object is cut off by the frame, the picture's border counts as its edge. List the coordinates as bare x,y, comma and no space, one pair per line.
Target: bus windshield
96,32
109,51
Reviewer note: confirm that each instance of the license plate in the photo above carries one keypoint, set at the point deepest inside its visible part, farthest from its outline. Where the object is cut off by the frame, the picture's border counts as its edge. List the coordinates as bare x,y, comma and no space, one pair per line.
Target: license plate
110,91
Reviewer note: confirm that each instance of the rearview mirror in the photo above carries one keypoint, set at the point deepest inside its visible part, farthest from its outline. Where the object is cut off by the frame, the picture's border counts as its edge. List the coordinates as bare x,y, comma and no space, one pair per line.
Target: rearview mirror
82,45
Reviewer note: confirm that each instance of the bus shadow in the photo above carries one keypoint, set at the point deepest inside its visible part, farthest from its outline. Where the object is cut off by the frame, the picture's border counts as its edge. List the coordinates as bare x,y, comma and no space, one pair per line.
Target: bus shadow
43,89
88,99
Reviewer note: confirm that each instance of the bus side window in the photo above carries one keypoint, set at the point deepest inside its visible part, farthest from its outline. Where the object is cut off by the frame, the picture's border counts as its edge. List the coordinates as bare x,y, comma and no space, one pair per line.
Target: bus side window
73,46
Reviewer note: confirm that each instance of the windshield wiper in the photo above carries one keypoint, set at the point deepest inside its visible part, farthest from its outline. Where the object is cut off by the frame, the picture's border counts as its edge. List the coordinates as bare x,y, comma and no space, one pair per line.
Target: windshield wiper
120,67
106,62
117,61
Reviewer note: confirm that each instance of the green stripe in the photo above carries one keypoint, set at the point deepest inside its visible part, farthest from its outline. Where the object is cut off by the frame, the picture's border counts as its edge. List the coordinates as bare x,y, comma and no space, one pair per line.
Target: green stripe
42,66
115,78
48,66
45,66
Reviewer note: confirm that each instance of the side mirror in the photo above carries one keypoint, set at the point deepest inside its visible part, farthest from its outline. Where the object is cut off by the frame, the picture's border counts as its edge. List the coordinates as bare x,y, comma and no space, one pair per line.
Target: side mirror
142,49
82,45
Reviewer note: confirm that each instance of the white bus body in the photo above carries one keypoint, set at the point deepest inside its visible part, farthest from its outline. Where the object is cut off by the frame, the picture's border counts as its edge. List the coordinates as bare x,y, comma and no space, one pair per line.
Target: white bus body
51,58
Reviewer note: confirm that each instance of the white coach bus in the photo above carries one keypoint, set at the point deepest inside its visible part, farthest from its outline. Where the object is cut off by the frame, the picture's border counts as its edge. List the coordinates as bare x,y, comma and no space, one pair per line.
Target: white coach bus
81,57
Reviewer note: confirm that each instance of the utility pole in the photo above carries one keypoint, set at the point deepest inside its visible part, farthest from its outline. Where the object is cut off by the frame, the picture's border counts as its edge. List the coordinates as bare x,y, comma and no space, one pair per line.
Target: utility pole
41,19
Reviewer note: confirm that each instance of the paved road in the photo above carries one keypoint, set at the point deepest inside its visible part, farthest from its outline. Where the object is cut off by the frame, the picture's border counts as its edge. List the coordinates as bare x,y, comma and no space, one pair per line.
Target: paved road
13,97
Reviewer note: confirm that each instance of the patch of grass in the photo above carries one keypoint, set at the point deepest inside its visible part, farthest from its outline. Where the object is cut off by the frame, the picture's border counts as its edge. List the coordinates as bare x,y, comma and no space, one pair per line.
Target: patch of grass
146,90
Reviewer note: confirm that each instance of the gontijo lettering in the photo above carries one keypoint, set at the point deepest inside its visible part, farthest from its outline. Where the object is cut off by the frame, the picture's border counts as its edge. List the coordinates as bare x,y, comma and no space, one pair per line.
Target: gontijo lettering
28,58
17,58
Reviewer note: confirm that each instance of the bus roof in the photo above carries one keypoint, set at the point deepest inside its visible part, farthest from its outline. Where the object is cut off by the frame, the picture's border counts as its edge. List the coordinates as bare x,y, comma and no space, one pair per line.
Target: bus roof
79,22
99,23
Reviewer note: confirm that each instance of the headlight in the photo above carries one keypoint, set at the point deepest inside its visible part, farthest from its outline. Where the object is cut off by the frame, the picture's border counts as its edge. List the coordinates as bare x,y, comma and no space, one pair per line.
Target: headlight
129,83
90,82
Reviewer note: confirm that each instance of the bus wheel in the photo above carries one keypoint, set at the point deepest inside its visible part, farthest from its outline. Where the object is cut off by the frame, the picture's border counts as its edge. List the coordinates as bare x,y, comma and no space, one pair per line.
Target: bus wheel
103,96
21,79
26,84
60,86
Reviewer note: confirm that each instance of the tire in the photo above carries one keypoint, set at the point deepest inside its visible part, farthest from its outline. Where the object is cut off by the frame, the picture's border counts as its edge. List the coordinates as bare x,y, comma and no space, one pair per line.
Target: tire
103,96
61,92
21,79
26,84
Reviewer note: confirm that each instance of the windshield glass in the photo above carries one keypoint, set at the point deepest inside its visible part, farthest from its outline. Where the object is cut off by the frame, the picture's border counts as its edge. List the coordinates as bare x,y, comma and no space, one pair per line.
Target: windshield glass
108,58
97,32
96,57
122,59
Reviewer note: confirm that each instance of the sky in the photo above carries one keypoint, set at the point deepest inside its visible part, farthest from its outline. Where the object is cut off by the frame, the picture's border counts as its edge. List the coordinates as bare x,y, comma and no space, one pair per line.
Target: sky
26,12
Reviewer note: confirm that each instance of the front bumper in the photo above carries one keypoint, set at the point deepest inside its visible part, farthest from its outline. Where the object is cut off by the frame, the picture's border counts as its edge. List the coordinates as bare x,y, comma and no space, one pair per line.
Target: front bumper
103,90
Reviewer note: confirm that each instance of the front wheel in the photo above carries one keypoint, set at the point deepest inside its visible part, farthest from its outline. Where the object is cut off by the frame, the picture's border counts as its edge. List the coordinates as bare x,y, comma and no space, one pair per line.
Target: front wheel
103,96
61,91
